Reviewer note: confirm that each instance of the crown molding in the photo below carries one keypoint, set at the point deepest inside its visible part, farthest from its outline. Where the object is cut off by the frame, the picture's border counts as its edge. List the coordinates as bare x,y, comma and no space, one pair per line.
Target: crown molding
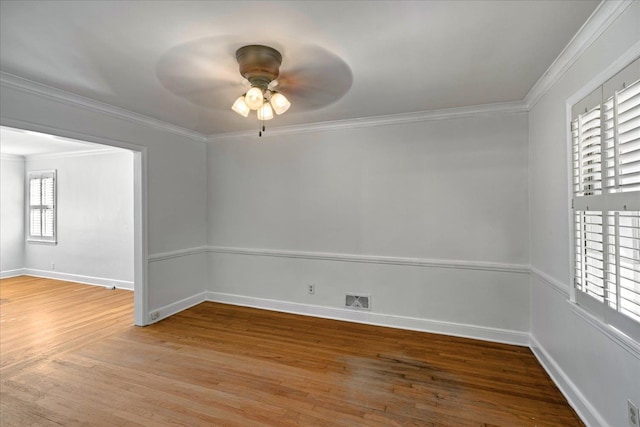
599,21
606,12
69,154
513,107
29,86
58,95
66,134
12,157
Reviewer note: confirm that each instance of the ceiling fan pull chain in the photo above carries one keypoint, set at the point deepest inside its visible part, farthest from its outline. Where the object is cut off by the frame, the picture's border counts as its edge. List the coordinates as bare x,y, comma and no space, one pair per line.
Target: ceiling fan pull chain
262,129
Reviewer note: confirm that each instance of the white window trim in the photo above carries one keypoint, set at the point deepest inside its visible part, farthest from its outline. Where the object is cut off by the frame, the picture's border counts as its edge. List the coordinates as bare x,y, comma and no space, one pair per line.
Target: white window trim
613,69
37,239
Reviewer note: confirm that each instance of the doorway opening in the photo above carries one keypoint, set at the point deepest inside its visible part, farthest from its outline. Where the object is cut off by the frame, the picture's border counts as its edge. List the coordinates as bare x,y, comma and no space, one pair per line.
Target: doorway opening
74,208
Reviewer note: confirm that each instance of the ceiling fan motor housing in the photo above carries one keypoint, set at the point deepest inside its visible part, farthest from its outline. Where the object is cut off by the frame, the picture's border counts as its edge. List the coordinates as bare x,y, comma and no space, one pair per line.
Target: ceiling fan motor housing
259,64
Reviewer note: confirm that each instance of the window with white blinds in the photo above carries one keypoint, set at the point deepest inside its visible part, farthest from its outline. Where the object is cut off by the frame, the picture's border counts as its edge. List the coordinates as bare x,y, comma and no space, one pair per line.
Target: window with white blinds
605,131
42,206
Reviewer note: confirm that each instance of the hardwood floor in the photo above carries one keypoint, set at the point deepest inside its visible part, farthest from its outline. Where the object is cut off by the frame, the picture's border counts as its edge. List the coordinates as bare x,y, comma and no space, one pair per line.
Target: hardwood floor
70,356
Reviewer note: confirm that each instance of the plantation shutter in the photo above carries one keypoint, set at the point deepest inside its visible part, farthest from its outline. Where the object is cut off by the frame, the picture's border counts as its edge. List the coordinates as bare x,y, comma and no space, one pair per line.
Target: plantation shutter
605,131
42,197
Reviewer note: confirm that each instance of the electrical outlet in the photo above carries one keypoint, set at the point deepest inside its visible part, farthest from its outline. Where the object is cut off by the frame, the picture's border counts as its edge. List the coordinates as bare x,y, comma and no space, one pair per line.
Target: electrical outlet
155,315
311,289
634,415
53,266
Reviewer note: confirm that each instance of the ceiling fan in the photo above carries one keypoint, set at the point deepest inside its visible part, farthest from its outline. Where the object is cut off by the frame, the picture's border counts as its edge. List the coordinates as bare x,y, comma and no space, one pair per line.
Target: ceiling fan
306,78
260,65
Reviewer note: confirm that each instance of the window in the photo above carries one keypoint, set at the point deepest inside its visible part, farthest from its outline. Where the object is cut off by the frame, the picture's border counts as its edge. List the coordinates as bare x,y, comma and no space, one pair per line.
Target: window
42,206
605,129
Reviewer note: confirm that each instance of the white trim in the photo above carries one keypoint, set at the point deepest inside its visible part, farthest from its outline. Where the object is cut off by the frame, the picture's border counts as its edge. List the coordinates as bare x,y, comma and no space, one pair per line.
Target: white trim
597,24
176,254
609,331
140,295
569,201
68,154
68,98
377,319
514,107
612,69
176,307
28,86
140,238
12,273
599,21
374,259
36,241
618,337
588,414
12,157
79,278
66,134
555,284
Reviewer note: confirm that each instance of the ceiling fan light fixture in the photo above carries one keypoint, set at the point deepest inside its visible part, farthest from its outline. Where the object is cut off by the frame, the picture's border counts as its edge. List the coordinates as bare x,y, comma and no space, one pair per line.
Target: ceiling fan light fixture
265,112
260,66
241,107
254,98
280,103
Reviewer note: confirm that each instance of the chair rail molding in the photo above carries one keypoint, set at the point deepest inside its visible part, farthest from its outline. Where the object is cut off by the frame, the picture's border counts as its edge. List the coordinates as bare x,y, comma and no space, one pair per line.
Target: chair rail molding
374,259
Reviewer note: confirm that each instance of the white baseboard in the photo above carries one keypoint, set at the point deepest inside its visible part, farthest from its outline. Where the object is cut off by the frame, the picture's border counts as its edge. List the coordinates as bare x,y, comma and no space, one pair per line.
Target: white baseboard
12,273
78,278
587,413
155,315
378,319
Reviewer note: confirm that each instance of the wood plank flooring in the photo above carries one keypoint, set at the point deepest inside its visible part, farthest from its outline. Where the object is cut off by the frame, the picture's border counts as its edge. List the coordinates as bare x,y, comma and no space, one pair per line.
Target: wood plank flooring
70,356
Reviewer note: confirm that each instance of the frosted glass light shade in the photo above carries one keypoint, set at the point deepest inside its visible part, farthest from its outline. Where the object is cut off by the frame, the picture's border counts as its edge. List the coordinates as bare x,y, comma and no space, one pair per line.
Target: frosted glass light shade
241,107
265,112
279,103
254,98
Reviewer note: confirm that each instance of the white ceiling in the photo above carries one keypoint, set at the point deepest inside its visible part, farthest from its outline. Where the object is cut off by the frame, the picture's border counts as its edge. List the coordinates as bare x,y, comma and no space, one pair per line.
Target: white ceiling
26,143
392,56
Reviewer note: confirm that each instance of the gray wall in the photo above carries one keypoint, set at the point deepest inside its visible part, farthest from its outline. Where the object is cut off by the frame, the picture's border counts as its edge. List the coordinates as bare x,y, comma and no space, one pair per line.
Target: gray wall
604,371
453,190
11,214
95,218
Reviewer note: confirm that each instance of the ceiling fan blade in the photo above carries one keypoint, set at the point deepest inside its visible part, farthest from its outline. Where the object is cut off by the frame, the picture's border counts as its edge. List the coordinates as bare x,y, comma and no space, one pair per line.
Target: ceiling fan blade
316,79
203,72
